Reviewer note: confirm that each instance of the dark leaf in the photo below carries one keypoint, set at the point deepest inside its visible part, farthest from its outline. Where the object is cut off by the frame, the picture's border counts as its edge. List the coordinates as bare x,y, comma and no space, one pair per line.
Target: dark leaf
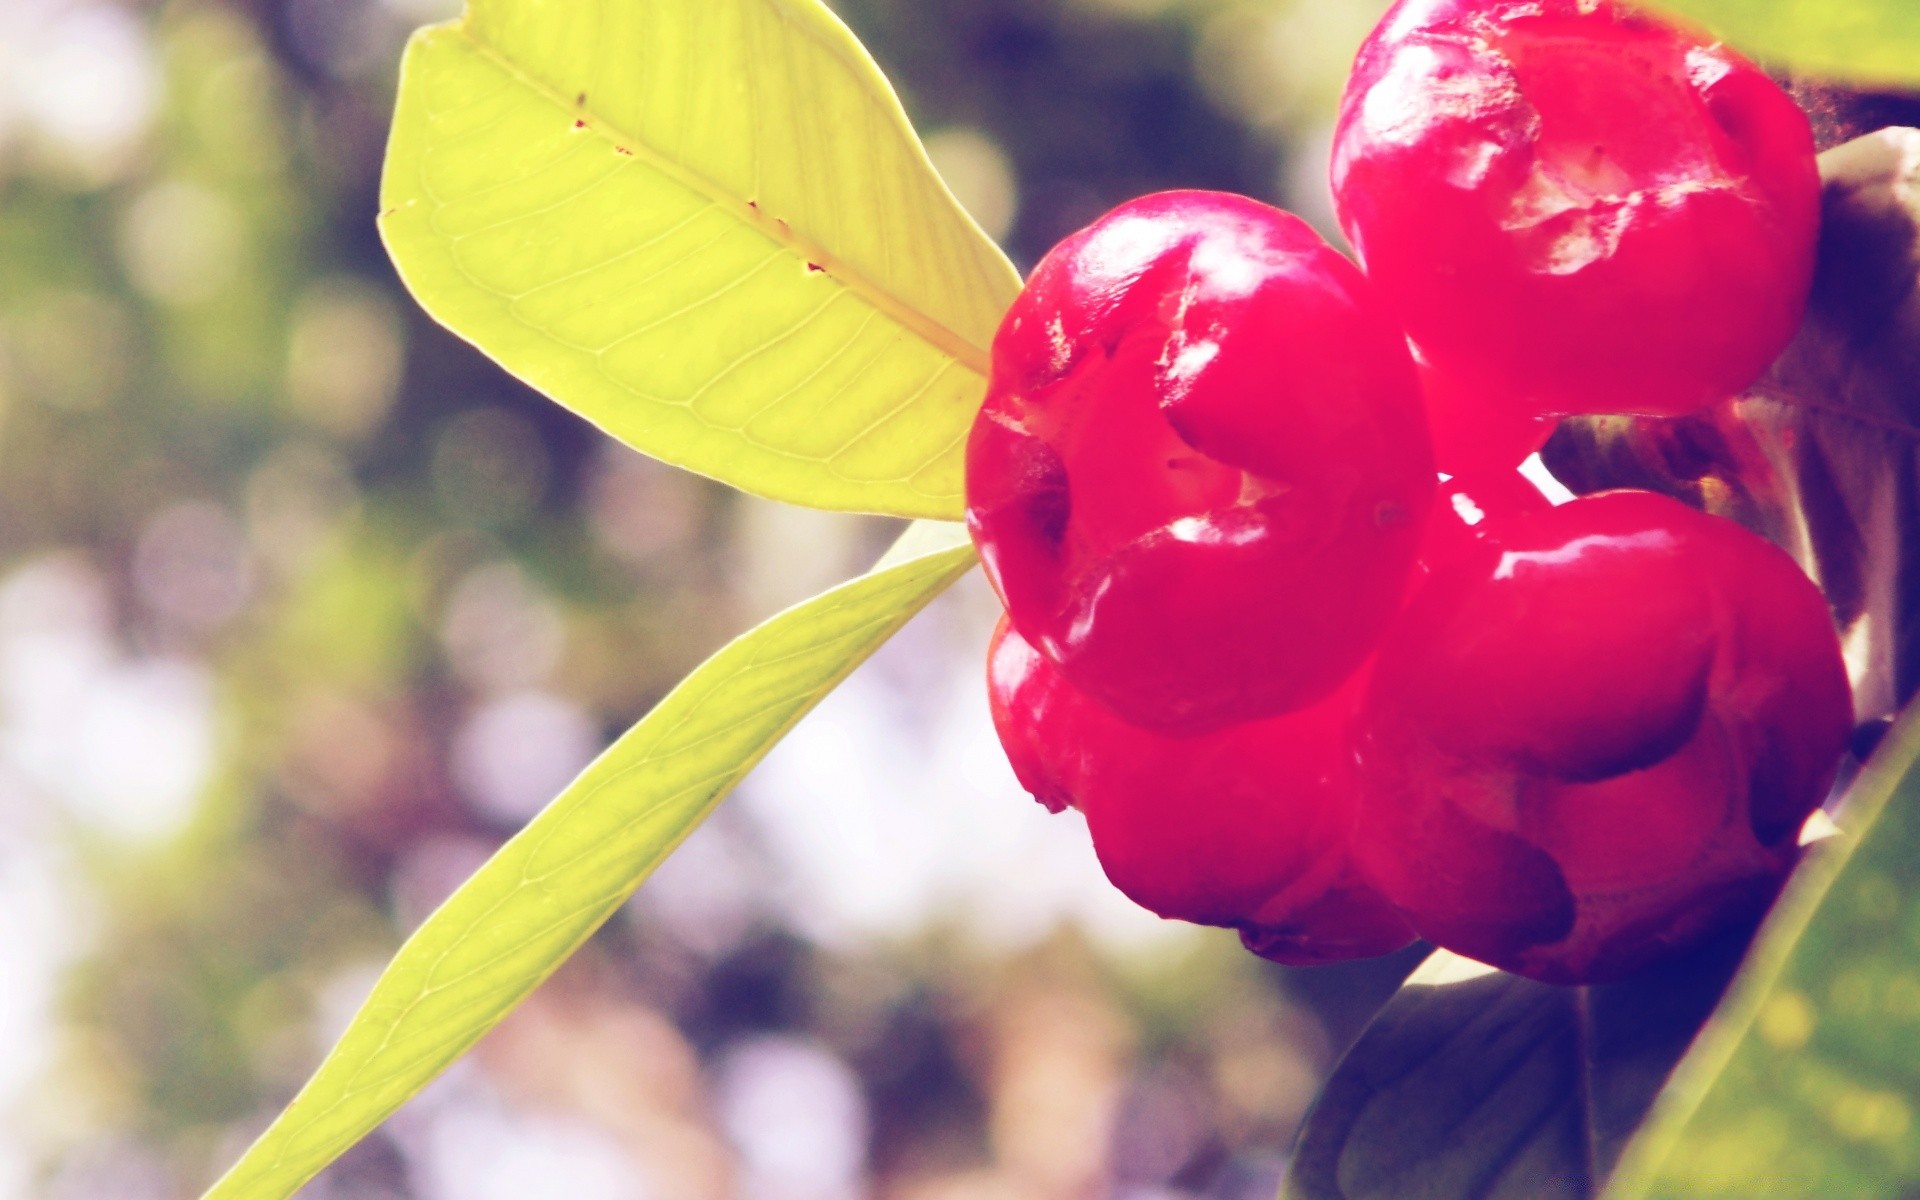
1476,1083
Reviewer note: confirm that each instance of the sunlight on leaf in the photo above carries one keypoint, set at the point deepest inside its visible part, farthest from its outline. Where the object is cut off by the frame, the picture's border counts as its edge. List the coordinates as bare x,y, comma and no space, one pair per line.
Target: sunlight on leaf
520,916
707,227
1860,41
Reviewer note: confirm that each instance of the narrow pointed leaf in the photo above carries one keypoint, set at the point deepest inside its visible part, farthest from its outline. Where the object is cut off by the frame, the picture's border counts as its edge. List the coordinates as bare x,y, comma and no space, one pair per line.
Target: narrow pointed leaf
1862,41
706,226
520,916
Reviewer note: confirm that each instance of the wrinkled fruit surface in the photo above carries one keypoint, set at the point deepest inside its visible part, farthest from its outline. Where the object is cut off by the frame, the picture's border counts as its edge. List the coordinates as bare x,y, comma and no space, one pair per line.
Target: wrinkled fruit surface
1594,735
1301,689
1574,207
1248,827
1199,476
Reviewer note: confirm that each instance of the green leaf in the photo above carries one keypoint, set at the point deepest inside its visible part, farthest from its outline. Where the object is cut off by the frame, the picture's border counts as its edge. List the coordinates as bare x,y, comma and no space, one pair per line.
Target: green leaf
1805,1082
1473,1084
707,227
519,917
1861,41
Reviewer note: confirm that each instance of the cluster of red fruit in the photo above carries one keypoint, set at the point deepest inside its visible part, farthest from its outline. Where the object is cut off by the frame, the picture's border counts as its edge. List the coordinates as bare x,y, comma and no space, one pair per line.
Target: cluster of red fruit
1285,622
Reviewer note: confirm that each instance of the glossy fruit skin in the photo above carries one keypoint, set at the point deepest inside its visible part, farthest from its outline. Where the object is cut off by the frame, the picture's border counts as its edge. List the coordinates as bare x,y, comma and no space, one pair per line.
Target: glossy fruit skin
1198,478
1574,206
1248,827
1041,720
1469,511
1593,737
1477,431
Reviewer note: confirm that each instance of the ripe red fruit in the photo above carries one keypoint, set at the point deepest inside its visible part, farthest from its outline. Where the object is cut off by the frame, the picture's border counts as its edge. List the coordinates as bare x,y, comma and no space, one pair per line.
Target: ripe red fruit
1575,207
1200,472
1476,431
1468,510
1247,827
1039,718
1592,738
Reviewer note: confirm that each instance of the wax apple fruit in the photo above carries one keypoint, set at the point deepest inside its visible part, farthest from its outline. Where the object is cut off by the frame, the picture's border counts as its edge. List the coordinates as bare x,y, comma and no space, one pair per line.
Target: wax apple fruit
1575,207
1041,720
1594,735
1199,476
1478,431
1471,510
1248,827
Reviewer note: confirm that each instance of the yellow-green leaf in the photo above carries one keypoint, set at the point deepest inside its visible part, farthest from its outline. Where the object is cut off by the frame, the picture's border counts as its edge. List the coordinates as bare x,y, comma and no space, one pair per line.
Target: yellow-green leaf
1859,41
707,227
519,917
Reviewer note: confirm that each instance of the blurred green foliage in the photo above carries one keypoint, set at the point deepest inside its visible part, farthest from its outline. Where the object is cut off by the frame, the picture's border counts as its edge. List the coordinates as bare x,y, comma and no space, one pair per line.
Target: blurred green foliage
241,471
1864,42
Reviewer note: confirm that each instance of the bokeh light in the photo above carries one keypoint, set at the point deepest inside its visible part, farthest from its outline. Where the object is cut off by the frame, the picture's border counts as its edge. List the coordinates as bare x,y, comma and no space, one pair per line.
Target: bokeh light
305,608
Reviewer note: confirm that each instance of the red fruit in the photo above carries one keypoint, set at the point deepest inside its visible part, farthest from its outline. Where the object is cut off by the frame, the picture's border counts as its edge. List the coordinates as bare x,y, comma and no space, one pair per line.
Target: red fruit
1468,510
1038,716
1247,827
1476,431
1591,740
1326,919
1200,472
1575,207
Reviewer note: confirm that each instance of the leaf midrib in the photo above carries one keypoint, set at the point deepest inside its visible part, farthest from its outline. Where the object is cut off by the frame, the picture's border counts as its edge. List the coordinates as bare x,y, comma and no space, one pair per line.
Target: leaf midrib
1789,398
777,230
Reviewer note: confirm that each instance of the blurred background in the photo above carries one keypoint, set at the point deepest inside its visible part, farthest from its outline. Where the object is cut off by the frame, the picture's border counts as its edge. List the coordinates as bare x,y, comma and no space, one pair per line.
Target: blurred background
304,608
